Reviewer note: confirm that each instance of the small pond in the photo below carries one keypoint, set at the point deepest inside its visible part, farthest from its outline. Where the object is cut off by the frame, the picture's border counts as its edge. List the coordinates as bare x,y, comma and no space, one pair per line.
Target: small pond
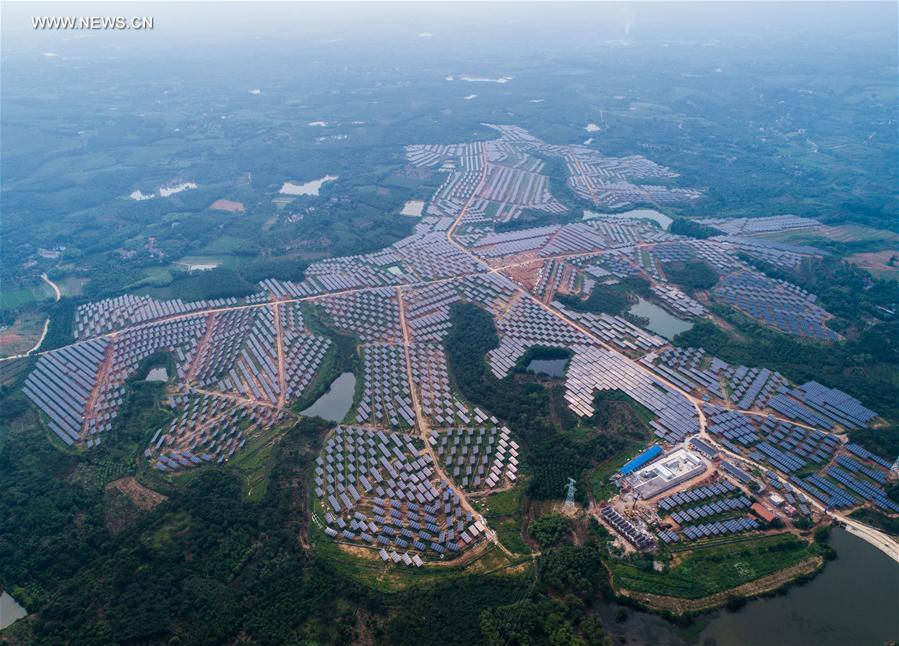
335,403
308,188
157,374
660,321
551,367
636,214
10,610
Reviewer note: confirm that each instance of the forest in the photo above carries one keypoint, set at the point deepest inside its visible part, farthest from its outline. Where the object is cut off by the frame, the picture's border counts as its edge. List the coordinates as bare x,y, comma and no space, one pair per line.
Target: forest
207,565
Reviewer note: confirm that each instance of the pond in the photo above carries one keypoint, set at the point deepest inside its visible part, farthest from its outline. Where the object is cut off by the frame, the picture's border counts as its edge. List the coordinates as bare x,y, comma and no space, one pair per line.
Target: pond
635,214
413,208
660,321
335,403
551,367
167,191
855,600
307,188
10,610
157,374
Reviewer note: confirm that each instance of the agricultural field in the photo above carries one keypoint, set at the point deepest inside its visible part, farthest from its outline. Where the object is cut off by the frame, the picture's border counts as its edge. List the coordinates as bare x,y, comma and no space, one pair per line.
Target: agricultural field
704,571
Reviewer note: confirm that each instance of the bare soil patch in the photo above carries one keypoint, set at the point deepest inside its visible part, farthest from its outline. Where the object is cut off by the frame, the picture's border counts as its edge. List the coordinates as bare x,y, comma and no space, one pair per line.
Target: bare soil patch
228,206
142,497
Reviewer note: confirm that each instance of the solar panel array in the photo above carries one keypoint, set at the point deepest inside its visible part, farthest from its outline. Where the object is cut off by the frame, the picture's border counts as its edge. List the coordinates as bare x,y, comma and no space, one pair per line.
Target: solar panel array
61,384
820,406
732,526
774,253
865,489
477,458
826,491
99,317
687,368
81,387
615,330
430,256
379,490
385,390
752,387
732,426
711,509
696,494
526,324
865,454
791,448
592,368
677,300
208,430
751,226
370,315
833,404
776,303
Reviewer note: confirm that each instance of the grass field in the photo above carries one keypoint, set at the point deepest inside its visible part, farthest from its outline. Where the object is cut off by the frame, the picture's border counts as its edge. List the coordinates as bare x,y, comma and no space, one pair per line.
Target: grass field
840,233
13,297
599,480
21,335
255,461
880,264
502,512
721,566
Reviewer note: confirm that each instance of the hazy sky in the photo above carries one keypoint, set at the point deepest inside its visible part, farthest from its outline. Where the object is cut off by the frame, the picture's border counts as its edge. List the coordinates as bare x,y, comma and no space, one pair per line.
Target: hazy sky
491,25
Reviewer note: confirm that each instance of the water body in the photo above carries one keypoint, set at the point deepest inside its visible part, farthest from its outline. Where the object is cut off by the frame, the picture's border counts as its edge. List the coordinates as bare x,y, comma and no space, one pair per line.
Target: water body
551,367
481,79
166,191
308,188
157,374
634,214
854,601
10,611
334,404
660,321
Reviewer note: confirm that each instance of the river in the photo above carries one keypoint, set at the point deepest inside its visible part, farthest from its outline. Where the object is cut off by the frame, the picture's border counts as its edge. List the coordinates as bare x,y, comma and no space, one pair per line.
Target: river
335,403
855,600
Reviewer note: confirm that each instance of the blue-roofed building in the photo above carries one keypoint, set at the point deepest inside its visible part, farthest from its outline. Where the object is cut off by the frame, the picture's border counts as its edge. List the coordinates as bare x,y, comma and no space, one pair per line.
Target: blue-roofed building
647,456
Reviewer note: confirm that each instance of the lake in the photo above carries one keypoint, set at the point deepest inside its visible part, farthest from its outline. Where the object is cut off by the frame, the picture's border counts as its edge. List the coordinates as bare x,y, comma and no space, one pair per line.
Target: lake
334,404
660,321
855,600
635,214
551,367
10,610
157,374
413,208
309,188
